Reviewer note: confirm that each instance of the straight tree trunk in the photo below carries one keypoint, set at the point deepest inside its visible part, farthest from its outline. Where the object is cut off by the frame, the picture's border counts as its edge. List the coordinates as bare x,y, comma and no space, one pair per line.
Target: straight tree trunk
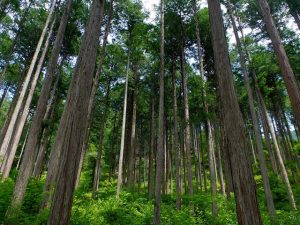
97,171
70,138
187,122
95,88
176,146
286,69
269,147
210,137
199,164
220,167
121,156
8,135
22,150
132,152
202,161
255,121
212,170
45,134
267,119
195,150
151,150
243,181
14,142
160,141
37,120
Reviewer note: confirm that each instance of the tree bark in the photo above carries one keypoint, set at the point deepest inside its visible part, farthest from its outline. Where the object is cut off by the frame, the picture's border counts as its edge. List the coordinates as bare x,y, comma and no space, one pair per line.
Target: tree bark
160,142
286,69
267,120
152,148
14,142
95,88
132,150
176,146
97,171
255,121
243,180
187,122
220,167
37,120
121,156
70,138
10,128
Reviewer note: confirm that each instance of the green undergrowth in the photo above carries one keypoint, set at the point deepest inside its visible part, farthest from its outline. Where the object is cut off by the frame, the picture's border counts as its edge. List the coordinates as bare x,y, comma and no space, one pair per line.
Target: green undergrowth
136,209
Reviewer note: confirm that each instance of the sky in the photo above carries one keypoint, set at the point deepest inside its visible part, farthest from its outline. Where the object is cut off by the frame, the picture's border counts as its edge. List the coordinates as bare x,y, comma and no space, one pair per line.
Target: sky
150,4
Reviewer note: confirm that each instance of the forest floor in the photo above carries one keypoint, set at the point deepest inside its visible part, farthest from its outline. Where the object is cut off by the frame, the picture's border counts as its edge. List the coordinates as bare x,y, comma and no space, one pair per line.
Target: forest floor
136,209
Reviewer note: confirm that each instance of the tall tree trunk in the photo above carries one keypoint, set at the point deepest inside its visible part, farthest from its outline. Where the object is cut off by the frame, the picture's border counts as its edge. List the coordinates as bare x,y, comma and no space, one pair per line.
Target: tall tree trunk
8,135
176,146
267,119
14,142
95,88
212,170
255,121
42,147
186,121
209,126
220,167
97,171
199,164
269,146
73,124
121,156
243,180
286,69
37,120
22,151
202,161
160,142
151,150
132,152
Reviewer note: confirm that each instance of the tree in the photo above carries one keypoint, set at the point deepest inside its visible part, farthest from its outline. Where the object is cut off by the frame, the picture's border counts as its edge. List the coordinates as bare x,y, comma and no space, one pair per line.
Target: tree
69,138
286,69
9,132
36,126
160,142
255,121
243,181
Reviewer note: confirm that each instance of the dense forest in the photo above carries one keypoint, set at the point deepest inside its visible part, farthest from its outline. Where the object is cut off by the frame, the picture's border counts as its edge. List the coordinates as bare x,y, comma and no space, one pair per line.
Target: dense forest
112,113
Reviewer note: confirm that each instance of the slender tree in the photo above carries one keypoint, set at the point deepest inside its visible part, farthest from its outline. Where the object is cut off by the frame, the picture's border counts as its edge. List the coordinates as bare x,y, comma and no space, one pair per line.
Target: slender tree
176,146
69,138
24,113
36,125
160,142
255,121
243,181
286,69
9,131
121,156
